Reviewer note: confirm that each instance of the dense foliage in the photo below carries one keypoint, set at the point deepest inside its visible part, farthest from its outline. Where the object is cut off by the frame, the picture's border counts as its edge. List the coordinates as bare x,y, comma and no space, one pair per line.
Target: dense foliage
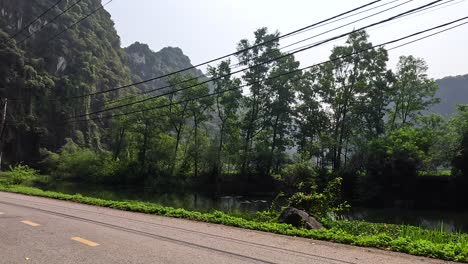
350,129
272,127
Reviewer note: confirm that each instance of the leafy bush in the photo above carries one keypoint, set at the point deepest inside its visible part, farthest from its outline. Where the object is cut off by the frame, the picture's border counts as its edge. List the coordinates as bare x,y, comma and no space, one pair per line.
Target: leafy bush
460,160
392,163
299,174
266,216
19,174
325,204
77,163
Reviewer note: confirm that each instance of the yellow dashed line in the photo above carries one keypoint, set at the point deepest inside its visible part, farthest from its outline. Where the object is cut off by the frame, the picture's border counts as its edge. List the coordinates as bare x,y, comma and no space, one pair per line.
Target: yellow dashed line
84,241
30,223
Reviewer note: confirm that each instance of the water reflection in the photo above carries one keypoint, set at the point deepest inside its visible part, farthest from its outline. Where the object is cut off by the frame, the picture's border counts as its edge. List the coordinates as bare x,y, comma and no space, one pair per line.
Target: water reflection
448,220
204,202
179,199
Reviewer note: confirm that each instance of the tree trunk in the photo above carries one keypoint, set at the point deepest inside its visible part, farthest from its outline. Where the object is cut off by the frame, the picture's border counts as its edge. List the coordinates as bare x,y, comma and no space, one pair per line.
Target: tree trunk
195,120
219,163
2,130
118,147
273,145
142,156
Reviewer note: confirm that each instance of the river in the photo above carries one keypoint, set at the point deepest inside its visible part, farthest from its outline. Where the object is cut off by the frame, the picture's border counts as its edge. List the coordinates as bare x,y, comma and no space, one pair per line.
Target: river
203,201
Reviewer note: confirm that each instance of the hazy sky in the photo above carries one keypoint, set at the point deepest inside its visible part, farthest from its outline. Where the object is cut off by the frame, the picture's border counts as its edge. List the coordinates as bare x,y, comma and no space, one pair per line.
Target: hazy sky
206,29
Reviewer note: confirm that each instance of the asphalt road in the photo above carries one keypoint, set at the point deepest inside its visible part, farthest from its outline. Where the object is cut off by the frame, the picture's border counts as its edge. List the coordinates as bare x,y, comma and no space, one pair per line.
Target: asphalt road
40,230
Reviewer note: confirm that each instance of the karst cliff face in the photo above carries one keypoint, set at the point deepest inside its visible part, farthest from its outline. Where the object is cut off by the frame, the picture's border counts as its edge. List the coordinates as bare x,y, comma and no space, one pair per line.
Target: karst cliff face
145,63
43,73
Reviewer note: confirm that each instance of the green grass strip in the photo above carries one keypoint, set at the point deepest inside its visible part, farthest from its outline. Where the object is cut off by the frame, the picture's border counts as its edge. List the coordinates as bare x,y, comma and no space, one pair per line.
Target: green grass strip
406,239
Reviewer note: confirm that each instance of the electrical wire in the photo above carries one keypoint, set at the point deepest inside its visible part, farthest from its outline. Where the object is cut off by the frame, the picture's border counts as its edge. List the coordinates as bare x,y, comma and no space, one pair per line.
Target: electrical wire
49,22
224,56
81,20
299,70
33,21
240,64
262,63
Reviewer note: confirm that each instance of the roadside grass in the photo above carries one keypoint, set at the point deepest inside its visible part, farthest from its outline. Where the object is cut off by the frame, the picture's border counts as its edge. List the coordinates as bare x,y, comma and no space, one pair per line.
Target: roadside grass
402,238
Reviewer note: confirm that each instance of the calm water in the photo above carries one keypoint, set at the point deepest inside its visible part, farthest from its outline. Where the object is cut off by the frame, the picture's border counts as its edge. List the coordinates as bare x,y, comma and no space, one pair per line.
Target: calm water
451,221
180,199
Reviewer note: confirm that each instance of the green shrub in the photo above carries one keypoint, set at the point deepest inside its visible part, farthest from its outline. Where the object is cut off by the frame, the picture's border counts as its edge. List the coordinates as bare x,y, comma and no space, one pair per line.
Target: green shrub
19,174
325,204
78,163
299,174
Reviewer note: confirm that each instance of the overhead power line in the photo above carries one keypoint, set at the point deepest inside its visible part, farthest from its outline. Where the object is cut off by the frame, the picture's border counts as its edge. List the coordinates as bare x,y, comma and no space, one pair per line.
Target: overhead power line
289,45
80,20
298,70
225,56
237,65
259,64
72,25
430,35
33,21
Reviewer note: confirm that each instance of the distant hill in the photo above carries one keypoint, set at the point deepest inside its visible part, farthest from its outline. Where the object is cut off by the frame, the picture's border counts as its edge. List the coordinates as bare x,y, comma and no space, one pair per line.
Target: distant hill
453,90
145,63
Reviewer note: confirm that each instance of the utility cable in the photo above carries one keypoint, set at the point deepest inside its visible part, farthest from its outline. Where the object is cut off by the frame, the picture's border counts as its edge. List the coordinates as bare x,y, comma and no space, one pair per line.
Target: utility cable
262,63
81,20
225,56
305,68
247,60
33,21
237,65
49,22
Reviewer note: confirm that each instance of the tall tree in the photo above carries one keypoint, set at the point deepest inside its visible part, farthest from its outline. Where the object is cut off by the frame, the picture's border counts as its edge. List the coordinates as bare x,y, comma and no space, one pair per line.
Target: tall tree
281,88
310,118
199,111
259,59
355,73
413,93
227,105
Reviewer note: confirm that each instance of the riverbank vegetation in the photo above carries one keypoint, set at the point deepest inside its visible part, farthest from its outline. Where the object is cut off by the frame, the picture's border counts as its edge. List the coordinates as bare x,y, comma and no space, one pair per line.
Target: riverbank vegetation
401,238
352,118
347,132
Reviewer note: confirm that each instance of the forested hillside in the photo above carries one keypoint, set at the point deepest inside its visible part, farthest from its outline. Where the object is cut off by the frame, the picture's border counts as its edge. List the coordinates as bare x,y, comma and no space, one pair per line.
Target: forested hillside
351,121
43,73
452,91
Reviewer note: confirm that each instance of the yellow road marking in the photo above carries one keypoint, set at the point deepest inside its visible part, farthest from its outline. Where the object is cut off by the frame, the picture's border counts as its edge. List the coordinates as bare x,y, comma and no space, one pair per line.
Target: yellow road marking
30,223
84,241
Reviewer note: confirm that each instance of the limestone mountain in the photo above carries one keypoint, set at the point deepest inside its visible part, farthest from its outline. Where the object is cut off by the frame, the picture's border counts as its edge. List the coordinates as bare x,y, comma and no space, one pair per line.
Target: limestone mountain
41,73
145,63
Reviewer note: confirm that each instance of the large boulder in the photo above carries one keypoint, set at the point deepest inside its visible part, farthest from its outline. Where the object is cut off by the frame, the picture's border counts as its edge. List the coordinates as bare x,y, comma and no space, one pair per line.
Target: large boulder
298,218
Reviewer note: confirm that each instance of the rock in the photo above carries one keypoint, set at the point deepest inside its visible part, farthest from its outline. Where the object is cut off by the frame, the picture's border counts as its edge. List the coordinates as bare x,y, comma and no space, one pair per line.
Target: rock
61,64
298,218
